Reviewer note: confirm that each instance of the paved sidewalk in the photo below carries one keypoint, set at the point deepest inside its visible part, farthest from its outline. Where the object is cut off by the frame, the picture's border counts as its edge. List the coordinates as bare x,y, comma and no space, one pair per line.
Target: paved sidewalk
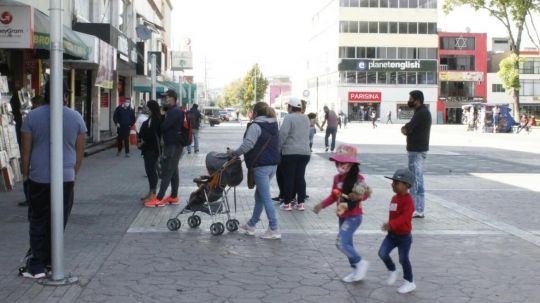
478,243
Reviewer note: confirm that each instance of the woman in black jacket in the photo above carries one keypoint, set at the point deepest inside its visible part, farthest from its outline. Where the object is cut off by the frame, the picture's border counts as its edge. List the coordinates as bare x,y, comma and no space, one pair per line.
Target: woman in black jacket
150,138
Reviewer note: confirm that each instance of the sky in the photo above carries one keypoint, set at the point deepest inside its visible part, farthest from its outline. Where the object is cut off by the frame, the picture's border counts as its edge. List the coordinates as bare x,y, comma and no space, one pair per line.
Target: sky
228,37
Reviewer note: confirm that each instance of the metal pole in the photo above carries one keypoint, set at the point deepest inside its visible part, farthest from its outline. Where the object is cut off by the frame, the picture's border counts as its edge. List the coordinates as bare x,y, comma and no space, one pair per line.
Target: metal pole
153,75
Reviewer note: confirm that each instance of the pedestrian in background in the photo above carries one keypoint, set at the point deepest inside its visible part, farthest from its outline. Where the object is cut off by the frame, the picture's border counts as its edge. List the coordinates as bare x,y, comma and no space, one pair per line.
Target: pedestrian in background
312,130
36,173
331,118
348,176
195,118
295,154
260,148
398,228
142,115
171,130
124,118
522,123
389,117
374,118
417,132
150,145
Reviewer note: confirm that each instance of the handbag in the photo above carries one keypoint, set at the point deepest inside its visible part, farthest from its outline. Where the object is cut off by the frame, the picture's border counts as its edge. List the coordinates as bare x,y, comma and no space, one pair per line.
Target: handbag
251,169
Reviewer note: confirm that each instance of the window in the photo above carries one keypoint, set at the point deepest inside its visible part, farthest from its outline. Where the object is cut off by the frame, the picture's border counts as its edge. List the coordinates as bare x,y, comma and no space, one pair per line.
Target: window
351,77
530,66
432,4
372,77
371,53
394,3
351,52
422,53
353,26
422,3
122,15
391,52
403,4
392,78
343,3
422,28
411,78
401,77
413,28
458,62
383,3
343,26
373,3
381,78
381,52
364,27
342,52
383,27
411,53
450,43
527,87
354,3
422,78
362,78
364,3
413,3
432,53
432,28
360,52
373,27
402,53
402,27
457,89
497,88
393,27
431,78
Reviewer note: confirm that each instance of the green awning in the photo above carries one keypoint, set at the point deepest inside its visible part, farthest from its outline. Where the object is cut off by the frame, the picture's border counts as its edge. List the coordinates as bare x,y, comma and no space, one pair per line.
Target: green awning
73,45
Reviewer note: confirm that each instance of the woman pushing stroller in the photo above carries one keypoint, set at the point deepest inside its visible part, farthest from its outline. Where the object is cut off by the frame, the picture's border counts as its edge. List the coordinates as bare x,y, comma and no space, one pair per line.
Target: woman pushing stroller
260,150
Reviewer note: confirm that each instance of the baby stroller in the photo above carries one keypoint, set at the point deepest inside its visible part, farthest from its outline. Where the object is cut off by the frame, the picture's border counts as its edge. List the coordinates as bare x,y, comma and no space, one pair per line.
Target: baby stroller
211,194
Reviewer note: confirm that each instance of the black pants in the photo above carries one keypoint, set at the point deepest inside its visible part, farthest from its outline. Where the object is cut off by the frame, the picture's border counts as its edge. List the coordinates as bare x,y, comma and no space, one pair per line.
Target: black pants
294,171
39,212
171,157
280,181
330,131
122,140
150,166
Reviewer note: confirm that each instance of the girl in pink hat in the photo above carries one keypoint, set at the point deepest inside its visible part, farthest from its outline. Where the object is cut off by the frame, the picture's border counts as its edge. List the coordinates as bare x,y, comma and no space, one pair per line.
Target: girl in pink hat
344,192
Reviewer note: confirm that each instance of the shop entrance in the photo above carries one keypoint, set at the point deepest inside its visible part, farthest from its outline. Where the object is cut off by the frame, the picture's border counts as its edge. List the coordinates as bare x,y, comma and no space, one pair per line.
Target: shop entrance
454,116
361,111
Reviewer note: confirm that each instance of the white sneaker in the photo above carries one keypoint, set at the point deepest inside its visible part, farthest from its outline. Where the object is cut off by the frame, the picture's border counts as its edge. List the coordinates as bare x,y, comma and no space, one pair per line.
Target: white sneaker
271,234
407,287
359,273
392,277
248,230
417,214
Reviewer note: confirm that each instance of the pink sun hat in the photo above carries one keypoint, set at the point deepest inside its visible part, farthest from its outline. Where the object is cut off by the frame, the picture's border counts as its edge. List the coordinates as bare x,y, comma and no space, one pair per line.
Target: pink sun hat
346,154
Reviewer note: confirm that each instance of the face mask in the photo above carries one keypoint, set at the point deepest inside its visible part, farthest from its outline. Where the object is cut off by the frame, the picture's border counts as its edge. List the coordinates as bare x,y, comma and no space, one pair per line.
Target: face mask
410,104
343,168
126,105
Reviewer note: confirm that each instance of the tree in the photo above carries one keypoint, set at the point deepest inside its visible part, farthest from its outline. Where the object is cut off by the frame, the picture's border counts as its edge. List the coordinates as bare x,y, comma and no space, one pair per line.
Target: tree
509,74
232,94
512,14
255,86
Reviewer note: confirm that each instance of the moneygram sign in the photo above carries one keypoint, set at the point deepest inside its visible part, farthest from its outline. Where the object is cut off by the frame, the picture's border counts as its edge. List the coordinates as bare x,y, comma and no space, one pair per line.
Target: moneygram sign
387,65
16,26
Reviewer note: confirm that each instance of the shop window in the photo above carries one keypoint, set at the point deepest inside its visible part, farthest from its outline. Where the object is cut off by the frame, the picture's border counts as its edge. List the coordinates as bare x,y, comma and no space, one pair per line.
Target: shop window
373,27
403,3
402,27
402,78
404,112
364,28
383,3
391,52
383,27
351,77
413,28
392,78
360,52
381,77
372,77
371,52
411,78
353,26
393,27
393,3
362,78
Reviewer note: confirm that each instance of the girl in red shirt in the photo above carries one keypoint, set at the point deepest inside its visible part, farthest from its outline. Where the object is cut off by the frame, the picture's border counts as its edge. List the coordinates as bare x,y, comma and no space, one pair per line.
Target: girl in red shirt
348,175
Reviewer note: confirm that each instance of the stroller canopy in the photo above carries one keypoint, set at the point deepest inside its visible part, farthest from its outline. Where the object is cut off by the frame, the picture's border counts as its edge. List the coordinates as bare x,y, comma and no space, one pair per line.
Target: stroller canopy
230,170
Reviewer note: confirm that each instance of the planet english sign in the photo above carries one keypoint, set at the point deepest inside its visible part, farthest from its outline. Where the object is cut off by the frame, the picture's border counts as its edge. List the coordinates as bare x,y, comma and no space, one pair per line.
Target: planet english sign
387,65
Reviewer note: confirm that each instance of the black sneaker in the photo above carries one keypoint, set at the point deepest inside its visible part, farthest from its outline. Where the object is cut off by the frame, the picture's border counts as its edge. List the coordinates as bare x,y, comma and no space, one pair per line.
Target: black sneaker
326,149
23,203
278,198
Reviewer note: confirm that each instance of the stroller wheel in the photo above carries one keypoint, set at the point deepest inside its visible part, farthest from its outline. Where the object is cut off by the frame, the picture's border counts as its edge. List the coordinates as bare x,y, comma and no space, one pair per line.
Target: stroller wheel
174,224
231,226
216,229
221,227
194,221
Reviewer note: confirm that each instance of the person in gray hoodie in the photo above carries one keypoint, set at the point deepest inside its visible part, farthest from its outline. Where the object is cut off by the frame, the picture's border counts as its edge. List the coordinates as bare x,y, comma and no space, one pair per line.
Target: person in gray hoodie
295,152
260,150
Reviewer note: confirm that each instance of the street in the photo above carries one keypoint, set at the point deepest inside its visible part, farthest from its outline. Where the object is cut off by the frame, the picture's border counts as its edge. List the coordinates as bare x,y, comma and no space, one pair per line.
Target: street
479,241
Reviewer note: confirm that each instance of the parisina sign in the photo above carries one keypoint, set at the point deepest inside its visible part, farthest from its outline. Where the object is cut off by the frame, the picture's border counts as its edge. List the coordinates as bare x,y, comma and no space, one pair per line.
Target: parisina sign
387,65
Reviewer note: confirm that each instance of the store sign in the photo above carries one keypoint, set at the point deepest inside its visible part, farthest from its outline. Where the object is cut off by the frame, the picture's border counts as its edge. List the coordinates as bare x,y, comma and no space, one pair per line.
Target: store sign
461,76
181,61
107,66
16,26
104,102
387,65
365,96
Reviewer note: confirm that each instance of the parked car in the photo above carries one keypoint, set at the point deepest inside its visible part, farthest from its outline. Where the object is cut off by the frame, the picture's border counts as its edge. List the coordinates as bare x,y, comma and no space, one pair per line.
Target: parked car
224,115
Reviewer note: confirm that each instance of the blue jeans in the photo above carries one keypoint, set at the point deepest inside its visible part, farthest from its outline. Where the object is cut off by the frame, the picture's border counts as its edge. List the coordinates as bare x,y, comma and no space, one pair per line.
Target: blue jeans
195,133
347,227
263,175
416,164
403,243
330,131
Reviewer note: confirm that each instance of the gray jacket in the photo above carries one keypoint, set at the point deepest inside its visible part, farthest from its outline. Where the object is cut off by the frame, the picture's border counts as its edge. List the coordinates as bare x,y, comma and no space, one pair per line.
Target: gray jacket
294,135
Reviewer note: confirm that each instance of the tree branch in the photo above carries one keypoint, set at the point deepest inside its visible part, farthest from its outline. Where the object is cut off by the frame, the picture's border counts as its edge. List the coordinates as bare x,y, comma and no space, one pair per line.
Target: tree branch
537,42
531,37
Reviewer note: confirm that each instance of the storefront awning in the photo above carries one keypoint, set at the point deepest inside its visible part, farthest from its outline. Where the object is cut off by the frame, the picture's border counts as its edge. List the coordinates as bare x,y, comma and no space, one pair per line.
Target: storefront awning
73,44
142,84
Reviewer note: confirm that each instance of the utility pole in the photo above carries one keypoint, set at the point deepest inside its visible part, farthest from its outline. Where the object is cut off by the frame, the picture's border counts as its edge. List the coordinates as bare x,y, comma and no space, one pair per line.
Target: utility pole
153,75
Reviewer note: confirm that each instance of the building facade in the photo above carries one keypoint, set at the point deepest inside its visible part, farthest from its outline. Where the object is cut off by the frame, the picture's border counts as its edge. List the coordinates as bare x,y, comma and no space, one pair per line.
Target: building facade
463,69
278,88
367,55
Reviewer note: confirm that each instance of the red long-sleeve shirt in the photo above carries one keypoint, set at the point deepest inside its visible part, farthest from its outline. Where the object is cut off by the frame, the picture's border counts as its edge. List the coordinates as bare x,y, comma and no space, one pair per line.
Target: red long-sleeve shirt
331,199
401,211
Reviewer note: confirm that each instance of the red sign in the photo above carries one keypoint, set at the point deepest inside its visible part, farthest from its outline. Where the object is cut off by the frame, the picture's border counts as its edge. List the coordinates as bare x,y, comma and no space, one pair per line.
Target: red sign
104,100
365,96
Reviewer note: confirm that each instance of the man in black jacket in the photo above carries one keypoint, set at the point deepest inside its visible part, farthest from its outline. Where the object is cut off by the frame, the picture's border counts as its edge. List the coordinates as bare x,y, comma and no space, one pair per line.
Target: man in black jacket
124,118
171,129
417,132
